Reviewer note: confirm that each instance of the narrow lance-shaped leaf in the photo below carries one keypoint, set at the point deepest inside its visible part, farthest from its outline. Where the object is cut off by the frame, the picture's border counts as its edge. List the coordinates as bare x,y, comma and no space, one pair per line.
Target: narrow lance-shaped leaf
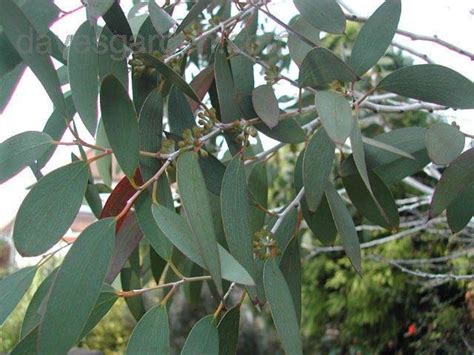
228,329
120,123
345,226
326,15
193,192
235,214
455,179
12,289
176,229
83,69
112,57
287,131
265,104
321,67
336,114
8,84
83,270
52,204
432,83
281,305
151,334
375,36
20,151
444,143
180,115
160,19
317,165
203,338
17,26
290,266
116,20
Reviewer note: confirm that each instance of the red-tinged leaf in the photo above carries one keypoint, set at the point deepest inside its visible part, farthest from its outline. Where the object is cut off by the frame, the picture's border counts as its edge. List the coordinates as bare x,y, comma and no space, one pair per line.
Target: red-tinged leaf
117,200
201,85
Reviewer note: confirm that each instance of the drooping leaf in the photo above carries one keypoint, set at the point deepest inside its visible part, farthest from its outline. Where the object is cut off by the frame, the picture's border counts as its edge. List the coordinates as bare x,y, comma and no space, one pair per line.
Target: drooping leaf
83,69
287,131
116,21
180,115
150,125
151,334
336,114
17,26
281,305
170,75
213,171
12,289
131,279
203,338
160,19
321,67
345,226
458,176
120,123
444,143
265,104
290,266
286,231
112,57
52,204
84,269
258,195
10,58
326,15
201,85
461,210
235,214
317,165
104,165
104,303
320,222
228,329
229,109
432,83
153,234
358,153
297,48
20,151
375,36
197,8
362,200
193,192
176,229
390,166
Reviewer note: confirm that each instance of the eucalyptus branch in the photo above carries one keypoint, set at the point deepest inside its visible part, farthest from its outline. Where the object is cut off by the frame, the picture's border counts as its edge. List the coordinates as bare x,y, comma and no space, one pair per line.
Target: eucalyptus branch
133,293
412,51
293,204
423,274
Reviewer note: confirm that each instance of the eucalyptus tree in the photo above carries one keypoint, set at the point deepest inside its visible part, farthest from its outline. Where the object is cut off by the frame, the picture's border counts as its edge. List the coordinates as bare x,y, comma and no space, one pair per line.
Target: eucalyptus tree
171,93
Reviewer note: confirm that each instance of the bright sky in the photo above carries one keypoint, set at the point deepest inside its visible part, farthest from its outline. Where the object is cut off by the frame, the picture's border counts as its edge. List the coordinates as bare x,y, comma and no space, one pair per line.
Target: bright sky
30,107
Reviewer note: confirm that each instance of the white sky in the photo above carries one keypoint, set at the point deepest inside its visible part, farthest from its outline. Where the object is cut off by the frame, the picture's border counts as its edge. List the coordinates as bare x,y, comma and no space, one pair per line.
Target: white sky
30,107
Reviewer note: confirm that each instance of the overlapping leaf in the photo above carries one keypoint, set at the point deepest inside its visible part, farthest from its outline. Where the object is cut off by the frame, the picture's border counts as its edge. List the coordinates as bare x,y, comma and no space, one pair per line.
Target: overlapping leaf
326,15
444,143
203,338
265,104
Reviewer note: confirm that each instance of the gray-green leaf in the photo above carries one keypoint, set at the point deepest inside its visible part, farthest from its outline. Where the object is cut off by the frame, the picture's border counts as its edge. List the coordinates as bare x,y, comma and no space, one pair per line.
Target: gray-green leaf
326,15
151,334
321,67
265,105
193,192
160,19
52,204
345,226
297,48
12,289
83,269
336,114
120,123
281,305
203,338
432,83
83,68
317,165
444,143
375,36
455,179
20,151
